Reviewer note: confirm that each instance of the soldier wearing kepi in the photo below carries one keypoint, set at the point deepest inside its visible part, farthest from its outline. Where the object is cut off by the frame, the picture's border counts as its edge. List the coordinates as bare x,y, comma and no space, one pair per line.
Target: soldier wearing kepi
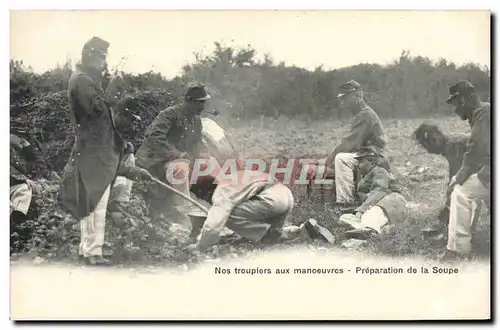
366,136
172,142
472,181
96,157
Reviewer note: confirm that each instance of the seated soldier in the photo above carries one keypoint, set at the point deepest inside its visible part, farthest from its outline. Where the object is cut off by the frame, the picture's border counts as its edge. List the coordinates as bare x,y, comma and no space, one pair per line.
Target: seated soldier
382,202
366,136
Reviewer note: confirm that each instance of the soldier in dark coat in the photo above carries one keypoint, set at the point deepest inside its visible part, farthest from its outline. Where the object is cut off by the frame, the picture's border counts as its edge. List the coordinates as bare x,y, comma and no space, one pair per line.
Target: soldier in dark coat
472,181
172,142
366,136
96,157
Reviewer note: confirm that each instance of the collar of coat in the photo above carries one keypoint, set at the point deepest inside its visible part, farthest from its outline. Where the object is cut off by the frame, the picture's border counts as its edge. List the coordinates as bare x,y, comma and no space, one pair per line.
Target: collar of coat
93,73
183,112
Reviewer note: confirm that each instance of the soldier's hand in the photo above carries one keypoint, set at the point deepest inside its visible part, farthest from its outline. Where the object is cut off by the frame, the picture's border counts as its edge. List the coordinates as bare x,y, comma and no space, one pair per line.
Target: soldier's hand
145,176
183,155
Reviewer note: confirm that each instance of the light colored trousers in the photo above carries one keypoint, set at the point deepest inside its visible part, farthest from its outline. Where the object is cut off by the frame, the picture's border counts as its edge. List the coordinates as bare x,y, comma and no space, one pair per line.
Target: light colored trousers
345,165
247,213
270,208
374,218
92,228
20,198
464,213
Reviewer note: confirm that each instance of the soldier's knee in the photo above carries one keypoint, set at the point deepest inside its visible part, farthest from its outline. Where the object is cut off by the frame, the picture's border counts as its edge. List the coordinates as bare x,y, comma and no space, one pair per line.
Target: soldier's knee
282,199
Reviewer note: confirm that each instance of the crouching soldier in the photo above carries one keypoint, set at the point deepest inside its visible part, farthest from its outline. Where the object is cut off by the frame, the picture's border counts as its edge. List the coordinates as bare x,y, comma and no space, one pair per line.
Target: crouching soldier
171,143
381,201
255,207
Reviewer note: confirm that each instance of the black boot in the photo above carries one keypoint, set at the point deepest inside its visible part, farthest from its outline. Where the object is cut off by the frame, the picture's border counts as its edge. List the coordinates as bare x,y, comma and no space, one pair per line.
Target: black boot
361,234
97,261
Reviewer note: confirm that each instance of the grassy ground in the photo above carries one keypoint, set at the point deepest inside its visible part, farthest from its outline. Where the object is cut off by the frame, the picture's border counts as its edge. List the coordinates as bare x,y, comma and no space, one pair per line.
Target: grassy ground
423,176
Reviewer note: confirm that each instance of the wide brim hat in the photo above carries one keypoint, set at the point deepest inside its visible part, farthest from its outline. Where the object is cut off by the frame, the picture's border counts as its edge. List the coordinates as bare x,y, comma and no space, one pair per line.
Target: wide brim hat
197,92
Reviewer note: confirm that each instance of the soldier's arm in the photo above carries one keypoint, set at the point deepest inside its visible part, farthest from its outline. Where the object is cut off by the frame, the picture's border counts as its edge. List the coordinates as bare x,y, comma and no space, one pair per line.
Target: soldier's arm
85,90
131,172
201,150
381,179
378,187
479,137
217,217
350,143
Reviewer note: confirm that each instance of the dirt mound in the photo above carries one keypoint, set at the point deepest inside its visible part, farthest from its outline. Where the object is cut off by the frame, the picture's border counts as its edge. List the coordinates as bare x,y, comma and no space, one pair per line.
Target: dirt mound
49,232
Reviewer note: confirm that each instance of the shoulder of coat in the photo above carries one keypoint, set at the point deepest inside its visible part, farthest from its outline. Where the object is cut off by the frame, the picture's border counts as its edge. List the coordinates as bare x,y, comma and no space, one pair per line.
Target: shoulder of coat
482,112
169,113
79,77
172,110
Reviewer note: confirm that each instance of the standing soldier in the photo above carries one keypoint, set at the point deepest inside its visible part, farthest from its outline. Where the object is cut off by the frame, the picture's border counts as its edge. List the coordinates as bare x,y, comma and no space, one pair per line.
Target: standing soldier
472,181
96,157
171,142
366,136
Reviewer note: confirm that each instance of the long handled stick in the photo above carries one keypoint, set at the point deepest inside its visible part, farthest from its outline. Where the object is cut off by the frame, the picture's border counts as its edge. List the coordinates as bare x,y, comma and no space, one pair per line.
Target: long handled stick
182,195
186,197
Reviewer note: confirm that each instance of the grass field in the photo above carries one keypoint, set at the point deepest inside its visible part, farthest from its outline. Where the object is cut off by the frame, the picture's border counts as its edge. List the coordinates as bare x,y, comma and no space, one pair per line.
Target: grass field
425,191
422,177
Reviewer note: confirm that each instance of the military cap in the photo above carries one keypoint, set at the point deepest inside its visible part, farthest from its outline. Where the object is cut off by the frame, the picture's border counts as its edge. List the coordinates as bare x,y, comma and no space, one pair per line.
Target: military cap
197,92
348,87
95,44
461,88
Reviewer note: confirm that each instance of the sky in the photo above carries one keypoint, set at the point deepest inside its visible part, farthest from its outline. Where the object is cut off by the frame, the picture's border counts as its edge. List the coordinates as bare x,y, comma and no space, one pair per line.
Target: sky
164,41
